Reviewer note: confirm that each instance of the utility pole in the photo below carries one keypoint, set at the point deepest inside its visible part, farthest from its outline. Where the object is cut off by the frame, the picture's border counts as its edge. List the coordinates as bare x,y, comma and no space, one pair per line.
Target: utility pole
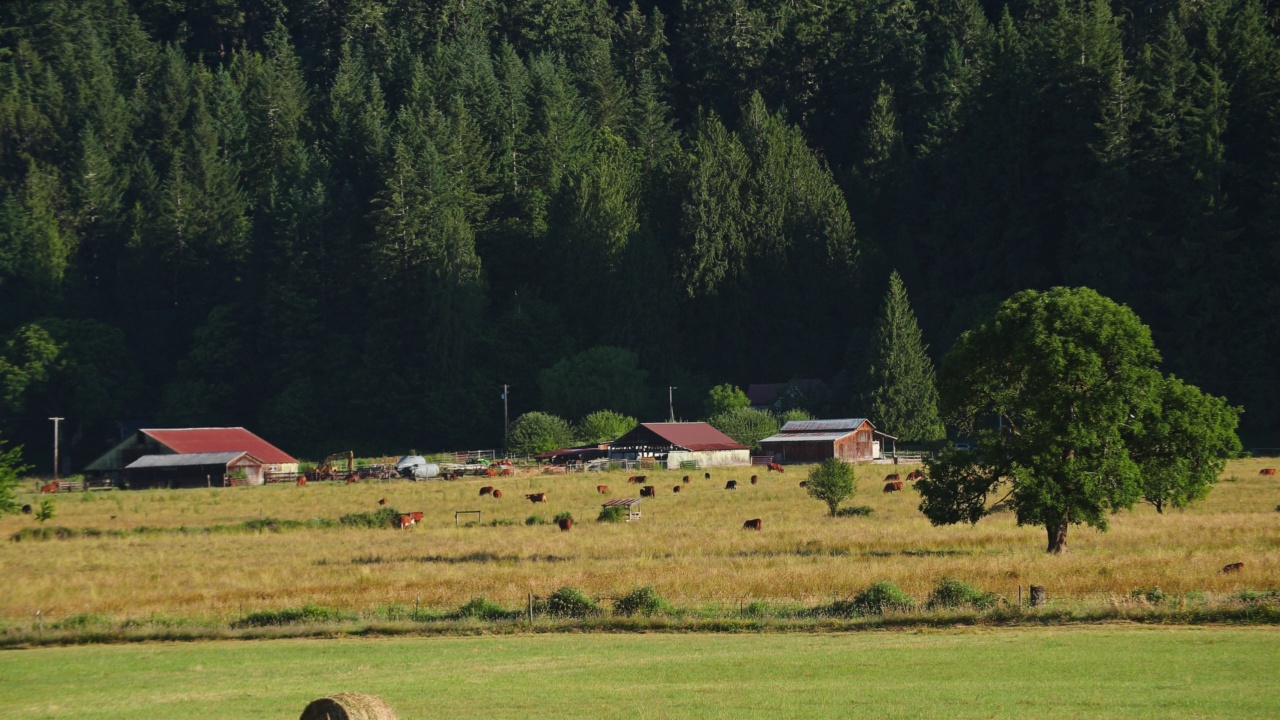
55,420
671,408
506,422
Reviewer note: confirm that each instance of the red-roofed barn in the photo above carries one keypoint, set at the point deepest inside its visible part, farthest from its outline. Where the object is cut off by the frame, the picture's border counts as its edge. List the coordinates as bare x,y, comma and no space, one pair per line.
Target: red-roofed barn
676,443
194,444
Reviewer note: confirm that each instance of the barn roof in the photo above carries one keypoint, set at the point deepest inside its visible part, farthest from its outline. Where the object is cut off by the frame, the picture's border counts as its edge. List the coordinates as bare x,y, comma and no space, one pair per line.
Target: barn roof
219,440
805,437
187,459
691,436
807,426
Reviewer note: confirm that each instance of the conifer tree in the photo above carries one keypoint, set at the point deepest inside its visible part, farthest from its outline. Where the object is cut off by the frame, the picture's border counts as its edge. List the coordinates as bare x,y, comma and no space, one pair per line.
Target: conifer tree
902,397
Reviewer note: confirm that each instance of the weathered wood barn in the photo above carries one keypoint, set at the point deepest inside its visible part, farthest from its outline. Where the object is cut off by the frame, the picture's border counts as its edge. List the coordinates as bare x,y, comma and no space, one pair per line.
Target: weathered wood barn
191,470
676,443
809,441
193,441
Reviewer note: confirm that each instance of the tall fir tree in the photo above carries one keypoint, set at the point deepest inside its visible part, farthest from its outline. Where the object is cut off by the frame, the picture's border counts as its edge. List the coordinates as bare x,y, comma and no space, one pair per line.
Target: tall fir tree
902,396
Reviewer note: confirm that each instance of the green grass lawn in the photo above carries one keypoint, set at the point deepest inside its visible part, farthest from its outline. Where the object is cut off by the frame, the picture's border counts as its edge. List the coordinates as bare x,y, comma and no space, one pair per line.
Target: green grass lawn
1090,672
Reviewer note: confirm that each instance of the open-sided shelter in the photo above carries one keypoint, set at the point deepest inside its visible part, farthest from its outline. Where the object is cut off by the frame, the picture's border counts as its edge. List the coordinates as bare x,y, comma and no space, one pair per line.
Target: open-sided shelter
677,443
191,470
811,441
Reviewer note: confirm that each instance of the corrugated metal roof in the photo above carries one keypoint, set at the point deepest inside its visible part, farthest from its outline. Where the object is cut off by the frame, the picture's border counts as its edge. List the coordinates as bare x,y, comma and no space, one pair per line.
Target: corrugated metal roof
623,502
215,440
186,460
692,436
846,424
805,437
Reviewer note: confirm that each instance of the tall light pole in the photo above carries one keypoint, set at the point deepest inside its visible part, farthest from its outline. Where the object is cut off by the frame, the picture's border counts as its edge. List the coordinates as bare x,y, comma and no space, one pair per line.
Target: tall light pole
506,422
55,420
671,408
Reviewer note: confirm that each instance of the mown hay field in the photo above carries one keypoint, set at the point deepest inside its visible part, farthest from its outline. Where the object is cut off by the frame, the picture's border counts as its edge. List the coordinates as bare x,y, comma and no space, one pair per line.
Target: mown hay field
1089,672
689,546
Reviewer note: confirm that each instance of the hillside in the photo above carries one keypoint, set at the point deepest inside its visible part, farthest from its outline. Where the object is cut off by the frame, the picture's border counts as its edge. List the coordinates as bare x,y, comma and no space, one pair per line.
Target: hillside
349,222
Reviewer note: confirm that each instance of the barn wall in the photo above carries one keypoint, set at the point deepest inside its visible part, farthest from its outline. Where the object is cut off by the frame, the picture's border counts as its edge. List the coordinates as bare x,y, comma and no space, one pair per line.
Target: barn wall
709,458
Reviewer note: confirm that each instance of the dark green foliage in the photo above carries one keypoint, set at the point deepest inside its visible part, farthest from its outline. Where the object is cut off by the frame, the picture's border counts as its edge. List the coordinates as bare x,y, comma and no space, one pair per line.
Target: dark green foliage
45,512
604,426
537,432
832,482
725,398
564,515
11,469
380,518
952,593
641,601
570,602
1087,424
855,511
878,599
746,425
345,224
535,520
307,614
617,513
902,399
481,609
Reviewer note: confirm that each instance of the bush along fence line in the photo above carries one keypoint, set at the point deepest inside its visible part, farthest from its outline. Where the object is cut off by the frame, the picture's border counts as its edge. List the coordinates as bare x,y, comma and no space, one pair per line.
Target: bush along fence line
382,518
882,605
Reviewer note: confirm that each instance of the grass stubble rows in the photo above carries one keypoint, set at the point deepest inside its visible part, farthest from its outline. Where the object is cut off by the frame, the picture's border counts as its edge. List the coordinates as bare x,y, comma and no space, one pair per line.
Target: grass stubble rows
689,546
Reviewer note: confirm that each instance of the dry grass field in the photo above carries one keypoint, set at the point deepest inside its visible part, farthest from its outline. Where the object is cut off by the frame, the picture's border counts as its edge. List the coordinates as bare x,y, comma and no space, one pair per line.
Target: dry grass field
689,546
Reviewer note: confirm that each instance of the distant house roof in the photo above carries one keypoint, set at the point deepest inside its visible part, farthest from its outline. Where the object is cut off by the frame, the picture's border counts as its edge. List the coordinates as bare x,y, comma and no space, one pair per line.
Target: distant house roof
763,394
691,436
187,459
807,426
219,440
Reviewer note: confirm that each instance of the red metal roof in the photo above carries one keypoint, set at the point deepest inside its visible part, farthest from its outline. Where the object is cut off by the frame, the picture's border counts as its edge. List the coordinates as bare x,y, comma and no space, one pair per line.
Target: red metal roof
211,440
694,436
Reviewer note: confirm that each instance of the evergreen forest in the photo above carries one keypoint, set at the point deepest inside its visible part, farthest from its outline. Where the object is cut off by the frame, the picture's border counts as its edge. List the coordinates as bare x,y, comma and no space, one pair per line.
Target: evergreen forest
346,224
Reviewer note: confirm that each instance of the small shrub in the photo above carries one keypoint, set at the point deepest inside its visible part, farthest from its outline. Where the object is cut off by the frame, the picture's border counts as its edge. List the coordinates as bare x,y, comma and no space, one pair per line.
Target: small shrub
641,601
81,621
1153,595
571,602
951,593
481,609
535,520
855,511
1249,595
381,518
566,515
881,597
755,609
613,514
309,613
502,522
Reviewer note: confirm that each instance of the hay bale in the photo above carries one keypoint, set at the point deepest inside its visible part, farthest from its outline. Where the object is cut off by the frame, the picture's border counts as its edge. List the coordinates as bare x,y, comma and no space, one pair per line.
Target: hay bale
349,706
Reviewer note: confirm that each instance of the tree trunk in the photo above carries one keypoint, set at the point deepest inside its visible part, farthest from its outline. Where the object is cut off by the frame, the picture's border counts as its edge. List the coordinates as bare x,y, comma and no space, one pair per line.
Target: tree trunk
1057,537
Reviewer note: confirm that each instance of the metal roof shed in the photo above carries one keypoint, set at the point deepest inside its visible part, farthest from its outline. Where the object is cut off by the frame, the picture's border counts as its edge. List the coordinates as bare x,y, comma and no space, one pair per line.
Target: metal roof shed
628,503
187,470
674,444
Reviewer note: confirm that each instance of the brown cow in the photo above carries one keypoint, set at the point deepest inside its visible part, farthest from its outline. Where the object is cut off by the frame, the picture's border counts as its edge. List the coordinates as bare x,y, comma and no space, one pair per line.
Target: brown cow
537,497
50,487
405,521
775,467
302,481
685,479
602,489
804,483
706,476
486,490
382,501
647,491
894,486
1233,567
731,485
417,516
915,475
506,472
752,524
754,479
891,477
497,493
1268,471
491,472
675,489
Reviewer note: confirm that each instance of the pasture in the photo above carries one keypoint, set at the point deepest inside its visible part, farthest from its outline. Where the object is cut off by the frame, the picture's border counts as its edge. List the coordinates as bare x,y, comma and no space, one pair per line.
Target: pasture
689,546
1094,672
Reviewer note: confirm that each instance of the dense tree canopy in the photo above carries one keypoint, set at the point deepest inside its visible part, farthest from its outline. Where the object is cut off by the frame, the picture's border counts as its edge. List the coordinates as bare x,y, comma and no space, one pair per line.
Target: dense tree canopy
1072,419
902,396
347,223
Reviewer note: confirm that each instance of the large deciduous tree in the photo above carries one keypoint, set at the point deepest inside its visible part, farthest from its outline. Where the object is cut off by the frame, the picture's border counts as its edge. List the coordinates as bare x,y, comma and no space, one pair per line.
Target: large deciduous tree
902,396
1061,392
